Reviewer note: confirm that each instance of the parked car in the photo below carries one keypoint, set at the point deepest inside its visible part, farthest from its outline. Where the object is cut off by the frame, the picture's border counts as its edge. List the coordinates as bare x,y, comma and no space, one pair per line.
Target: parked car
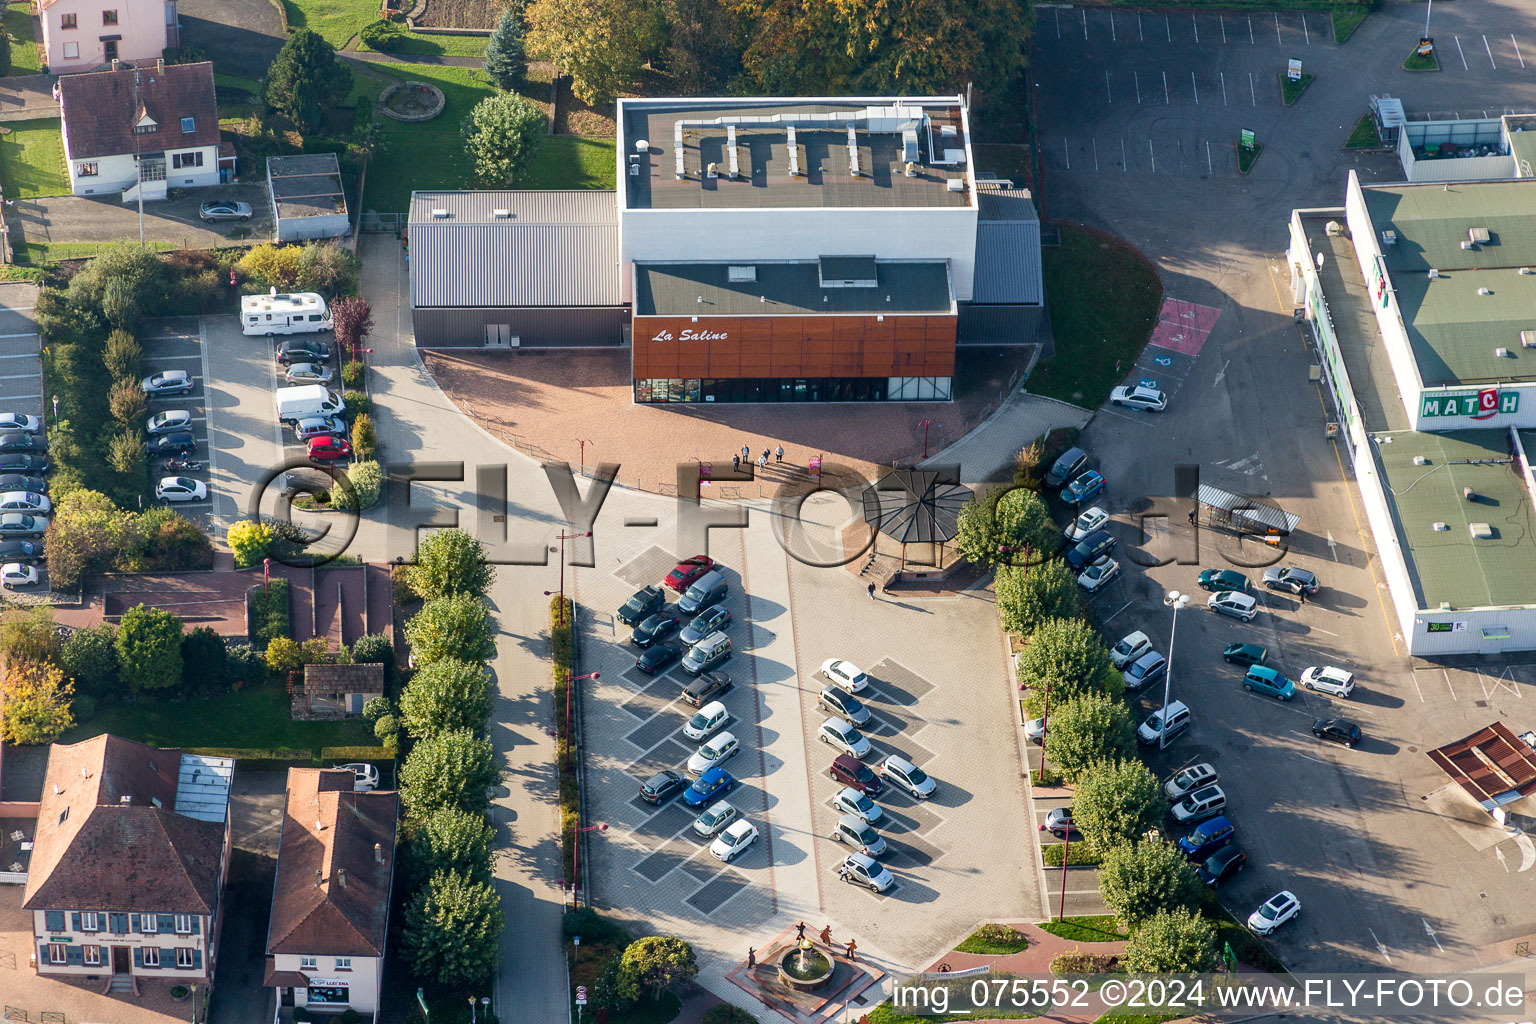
1058,822
1100,573
303,350
1188,779
1068,465
852,772
662,786
1221,866
712,821
1205,802
1230,602
1339,730
16,574
166,382
851,801
21,442
180,488
856,832
844,737
1244,654
179,442
15,421
1091,548
319,426
22,524
706,720
905,775
642,603
844,705
656,626
1217,580
1144,671
1130,647
709,589
710,620
680,578
1084,489
224,209
845,674
708,787
862,869
166,421
308,373
21,482
1034,730
365,777
1295,580
1206,838
1330,680
1277,910
1086,523
328,448
1267,680
715,649
21,462
1154,729
659,656
1138,397
728,846
705,686
24,501
713,753
21,550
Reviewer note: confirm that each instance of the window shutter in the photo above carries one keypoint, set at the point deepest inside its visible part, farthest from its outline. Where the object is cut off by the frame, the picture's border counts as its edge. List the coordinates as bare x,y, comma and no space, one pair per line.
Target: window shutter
197,925
167,957
42,954
138,956
74,921
197,959
118,923
167,922
133,922
53,920
74,956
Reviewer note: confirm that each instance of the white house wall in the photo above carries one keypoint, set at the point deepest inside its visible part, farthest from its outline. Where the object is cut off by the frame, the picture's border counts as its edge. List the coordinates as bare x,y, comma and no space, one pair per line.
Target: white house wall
362,980
116,173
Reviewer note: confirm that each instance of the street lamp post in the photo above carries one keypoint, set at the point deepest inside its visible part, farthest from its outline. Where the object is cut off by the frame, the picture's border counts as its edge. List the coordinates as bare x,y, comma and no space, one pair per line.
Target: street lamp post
925,425
583,443
1066,848
1045,721
570,733
1427,8
1174,600
472,1003
576,832
563,538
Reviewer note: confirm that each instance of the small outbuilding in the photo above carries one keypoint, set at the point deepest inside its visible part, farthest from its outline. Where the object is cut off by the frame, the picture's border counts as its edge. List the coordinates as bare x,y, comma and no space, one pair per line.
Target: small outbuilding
339,691
307,198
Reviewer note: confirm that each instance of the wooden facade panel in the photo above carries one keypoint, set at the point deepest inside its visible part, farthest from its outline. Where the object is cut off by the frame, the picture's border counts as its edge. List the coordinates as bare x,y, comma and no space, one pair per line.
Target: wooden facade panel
811,346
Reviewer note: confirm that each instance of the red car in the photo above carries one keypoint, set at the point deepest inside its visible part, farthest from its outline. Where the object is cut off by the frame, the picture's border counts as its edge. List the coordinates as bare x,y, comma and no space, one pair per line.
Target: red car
686,572
850,771
324,448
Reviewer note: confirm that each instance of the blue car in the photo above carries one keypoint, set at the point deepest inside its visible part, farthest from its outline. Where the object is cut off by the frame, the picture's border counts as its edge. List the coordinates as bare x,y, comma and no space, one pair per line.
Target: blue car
1207,838
707,787
1091,548
1084,489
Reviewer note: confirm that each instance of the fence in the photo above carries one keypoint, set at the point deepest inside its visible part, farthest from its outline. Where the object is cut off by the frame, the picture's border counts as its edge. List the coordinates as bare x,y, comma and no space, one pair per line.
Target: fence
382,223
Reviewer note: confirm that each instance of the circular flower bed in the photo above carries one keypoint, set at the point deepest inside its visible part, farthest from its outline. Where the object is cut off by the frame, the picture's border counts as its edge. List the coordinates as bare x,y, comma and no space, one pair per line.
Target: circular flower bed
412,101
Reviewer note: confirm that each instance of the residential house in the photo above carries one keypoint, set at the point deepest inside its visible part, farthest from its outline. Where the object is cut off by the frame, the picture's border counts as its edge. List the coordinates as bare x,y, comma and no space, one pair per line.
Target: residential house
85,35
129,863
338,691
330,901
158,124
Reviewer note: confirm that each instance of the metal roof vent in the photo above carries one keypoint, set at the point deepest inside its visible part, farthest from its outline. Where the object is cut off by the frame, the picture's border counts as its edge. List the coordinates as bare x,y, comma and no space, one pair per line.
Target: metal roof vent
1480,531
642,146
1528,339
439,214
501,214
1501,353
1441,527
955,184
737,275
1478,236
1419,460
1433,273
1445,606
1525,271
1466,245
1388,237
1485,291
911,169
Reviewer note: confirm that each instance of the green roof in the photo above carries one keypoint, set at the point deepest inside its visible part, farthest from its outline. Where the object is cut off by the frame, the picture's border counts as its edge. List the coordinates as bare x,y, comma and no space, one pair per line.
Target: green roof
1432,221
1451,565
1456,332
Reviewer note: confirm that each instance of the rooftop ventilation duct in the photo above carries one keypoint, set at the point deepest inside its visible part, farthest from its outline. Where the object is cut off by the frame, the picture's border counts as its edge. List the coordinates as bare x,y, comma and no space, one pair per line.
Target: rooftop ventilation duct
439,214
1466,245
1485,291
1501,353
1433,273
1478,236
1480,531
955,184
1333,228
502,214
1469,494
1442,527
1528,339
1419,460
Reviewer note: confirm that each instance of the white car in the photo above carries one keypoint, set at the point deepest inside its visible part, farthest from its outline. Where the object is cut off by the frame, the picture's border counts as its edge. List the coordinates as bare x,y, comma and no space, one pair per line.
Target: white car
851,801
164,422
308,373
15,422
24,501
1328,679
862,869
365,777
1139,397
908,776
1205,802
1230,602
844,737
14,574
166,382
714,820
733,840
1187,780
1034,730
1277,910
1130,647
1086,523
706,720
180,488
716,752
845,674
1093,578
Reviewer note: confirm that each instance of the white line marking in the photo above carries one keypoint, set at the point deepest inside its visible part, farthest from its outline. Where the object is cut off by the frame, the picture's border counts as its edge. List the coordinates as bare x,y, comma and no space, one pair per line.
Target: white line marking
1095,152
1277,28
1153,155
1195,23
19,376
1221,373
15,309
24,334
1431,933
1463,54
1317,630
1499,853
1112,36
1380,947
1085,23
1306,30
1125,165
1223,18
1058,23
1516,42
1527,853
1136,77
162,359
1169,26
1167,99
1139,32
1251,94
1250,31
1415,676
1223,88
1448,685
1490,52
1120,609
1208,168
24,355
1333,546
1066,149
1195,86
1309,757
1109,98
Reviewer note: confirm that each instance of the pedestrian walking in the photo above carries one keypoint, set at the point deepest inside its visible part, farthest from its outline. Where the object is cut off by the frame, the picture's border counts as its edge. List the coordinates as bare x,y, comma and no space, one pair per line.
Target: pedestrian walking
826,936
1302,593
735,463
766,453
762,460
800,930
851,947
1191,517
871,591
778,454
751,957
746,453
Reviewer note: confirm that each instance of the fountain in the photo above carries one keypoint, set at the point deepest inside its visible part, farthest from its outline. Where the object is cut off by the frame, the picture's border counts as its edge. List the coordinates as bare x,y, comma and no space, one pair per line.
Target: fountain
805,968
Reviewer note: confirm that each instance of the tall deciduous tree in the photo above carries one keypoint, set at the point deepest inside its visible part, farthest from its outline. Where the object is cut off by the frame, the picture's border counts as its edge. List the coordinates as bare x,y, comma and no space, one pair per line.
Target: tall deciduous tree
1171,942
450,562
501,134
306,79
456,626
1138,881
1028,597
656,962
36,701
29,634
351,320
446,695
1085,730
1011,526
601,44
701,52
1066,656
453,929
450,769
89,656
451,839
1116,802
149,649
506,61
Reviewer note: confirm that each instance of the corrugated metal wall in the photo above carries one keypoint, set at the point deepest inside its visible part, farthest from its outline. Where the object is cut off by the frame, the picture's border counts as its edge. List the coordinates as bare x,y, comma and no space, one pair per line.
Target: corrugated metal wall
579,327
514,264
297,229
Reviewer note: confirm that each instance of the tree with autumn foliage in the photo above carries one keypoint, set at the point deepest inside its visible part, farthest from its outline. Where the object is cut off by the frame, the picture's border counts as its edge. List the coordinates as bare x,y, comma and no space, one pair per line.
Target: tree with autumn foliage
36,705
351,319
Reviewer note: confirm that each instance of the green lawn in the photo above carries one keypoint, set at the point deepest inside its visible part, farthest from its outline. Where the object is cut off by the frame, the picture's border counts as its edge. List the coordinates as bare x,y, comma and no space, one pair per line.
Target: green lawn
1291,89
433,44
571,161
1103,298
255,717
336,20
1246,156
224,81
18,25
32,159
1421,62
1364,135
1346,20
1085,929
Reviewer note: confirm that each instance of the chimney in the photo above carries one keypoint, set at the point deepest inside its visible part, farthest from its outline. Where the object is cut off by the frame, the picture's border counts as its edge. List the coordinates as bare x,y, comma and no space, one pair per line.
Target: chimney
319,825
318,876
378,853
159,63
116,64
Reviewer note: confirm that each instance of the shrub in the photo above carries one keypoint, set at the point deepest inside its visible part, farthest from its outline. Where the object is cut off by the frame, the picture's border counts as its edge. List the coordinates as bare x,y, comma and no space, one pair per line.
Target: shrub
726,1013
29,635
242,666
385,728
203,655
365,440
268,611
382,35
657,962
1077,962
37,703
84,708
284,655
89,656
352,374
1172,942
127,402
356,402
375,708
123,356
367,480
249,540
375,648
149,649
322,267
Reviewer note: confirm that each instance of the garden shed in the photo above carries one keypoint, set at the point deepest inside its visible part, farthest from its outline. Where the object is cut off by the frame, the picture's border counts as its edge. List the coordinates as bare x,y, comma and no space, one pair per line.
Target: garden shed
308,200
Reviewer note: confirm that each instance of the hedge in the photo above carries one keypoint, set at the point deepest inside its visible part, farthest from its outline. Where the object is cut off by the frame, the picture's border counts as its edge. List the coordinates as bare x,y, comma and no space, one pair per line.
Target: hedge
255,759
1081,853
357,753
267,616
561,612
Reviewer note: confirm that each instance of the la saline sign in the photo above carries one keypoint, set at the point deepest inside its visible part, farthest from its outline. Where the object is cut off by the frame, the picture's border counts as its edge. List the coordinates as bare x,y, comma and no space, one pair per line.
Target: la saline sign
692,336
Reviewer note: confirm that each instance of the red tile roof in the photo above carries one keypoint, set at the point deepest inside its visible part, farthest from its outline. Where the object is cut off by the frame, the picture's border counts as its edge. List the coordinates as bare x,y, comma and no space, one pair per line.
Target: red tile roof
332,891
95,851
99,110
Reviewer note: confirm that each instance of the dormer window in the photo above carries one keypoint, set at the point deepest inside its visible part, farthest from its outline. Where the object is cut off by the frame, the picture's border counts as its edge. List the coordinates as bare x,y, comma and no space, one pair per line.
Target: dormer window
146,129
188,125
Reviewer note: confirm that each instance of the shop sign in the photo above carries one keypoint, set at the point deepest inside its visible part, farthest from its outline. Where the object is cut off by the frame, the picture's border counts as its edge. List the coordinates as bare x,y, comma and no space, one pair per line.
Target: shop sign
1479,405
1247,138
1293,69
1445,627
691,336
328,982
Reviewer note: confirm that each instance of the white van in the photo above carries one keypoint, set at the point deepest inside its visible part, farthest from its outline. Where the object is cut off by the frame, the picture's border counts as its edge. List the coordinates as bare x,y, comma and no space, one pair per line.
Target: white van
274,313
307,400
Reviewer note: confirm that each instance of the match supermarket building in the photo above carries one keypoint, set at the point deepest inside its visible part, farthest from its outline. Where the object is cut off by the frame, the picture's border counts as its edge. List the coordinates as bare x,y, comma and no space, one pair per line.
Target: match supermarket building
805,250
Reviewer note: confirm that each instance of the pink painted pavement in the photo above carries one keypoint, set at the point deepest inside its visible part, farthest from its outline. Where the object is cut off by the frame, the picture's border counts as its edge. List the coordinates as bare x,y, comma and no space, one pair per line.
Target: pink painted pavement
1184,326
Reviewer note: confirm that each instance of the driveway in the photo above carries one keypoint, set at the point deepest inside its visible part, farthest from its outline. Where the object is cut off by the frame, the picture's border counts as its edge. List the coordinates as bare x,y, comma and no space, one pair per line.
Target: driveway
173,221
242,35
27,97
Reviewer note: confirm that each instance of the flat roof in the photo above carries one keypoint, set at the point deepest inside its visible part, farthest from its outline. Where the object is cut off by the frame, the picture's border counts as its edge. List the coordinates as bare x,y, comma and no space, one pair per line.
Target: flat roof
1451,565
1520,130
1456,332
306,185
705,289
820,156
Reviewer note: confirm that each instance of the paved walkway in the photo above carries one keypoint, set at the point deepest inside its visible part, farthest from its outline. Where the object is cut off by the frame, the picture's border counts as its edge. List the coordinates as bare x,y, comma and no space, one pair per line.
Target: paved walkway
988,452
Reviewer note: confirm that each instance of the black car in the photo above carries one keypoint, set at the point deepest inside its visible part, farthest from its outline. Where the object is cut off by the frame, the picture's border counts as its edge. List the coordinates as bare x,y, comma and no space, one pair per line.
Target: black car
303,350
662,786
180,442
659,656
643,603
22,482
1340,730
21,462
1091,548
657,627
21,443
1221,865
20,550
705,687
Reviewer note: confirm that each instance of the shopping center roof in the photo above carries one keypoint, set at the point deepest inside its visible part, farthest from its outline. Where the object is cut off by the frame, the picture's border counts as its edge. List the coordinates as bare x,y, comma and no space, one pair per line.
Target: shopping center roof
778,289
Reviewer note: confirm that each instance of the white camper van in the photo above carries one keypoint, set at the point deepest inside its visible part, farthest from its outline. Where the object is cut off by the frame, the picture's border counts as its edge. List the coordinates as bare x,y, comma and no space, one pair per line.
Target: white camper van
275,313
308,400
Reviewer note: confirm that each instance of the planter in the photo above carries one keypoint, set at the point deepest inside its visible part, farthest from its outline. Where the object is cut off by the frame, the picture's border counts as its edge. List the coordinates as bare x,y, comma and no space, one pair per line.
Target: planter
179,992
805,970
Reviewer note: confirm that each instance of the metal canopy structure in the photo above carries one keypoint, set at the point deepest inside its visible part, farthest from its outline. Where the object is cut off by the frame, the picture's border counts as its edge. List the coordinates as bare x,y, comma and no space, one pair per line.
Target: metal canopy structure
916,506
1493,766
1242,514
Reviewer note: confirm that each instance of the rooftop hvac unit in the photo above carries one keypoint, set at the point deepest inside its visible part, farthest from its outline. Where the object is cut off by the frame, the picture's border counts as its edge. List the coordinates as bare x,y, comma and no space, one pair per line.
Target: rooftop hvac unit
1478,236
1469,494
911,169
737,275
1433,273
947,131
1524,271
634,170
1485,291
1333,228
1466,245
1528,339
439,214
1419,460
1442,527
713,171
1480,531
501,214
642,146
1388,237
955,184
1501,353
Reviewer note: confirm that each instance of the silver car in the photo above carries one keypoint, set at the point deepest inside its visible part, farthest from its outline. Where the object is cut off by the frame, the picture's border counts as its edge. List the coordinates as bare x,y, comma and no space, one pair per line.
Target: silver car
166,421
224,209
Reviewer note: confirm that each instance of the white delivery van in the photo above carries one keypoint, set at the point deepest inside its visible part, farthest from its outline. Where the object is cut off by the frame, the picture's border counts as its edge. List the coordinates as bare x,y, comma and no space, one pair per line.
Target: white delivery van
307,400
275,313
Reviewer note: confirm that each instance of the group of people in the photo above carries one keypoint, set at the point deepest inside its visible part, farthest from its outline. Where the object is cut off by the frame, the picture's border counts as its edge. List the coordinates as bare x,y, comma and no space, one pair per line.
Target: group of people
762,460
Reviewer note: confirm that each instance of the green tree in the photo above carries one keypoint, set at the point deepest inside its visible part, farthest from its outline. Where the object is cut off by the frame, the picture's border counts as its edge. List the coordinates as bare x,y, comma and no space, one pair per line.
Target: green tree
284,655
608,989
149,649
138,279
656,962
127,403
501,134
365,439
1171,942
5,53
1136,881
599,43
453,930
29,634
125,452
1116,802
202,656
1028,597
446,695
1009,519
306,79
1067,656
249,540
451,839
1088,729
450,562
456,626
505,60
701,54
36,700
375,708
374,648
367,480
351,320
120,303
122,356
448,769
89,656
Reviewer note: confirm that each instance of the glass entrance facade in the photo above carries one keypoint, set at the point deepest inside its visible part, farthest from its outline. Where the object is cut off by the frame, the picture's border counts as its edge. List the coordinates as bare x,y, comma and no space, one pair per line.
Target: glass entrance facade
739,390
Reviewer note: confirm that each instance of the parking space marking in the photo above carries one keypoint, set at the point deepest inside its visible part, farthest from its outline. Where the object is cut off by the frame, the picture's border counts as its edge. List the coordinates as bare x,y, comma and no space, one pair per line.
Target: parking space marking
1109,98
1277,29
1153,154
1095,143
1139,31
1136,77
1085,23
1463,54
1223,88
1112,37
1125,165
1502,681
18,376
1447,677
1250,31
1057,13
1195,86
1208,168
1251,94
1516,43
1169,26
1066,149
1306,30
1195,23
1490,52
20,355
166,359
1223,19
23,334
